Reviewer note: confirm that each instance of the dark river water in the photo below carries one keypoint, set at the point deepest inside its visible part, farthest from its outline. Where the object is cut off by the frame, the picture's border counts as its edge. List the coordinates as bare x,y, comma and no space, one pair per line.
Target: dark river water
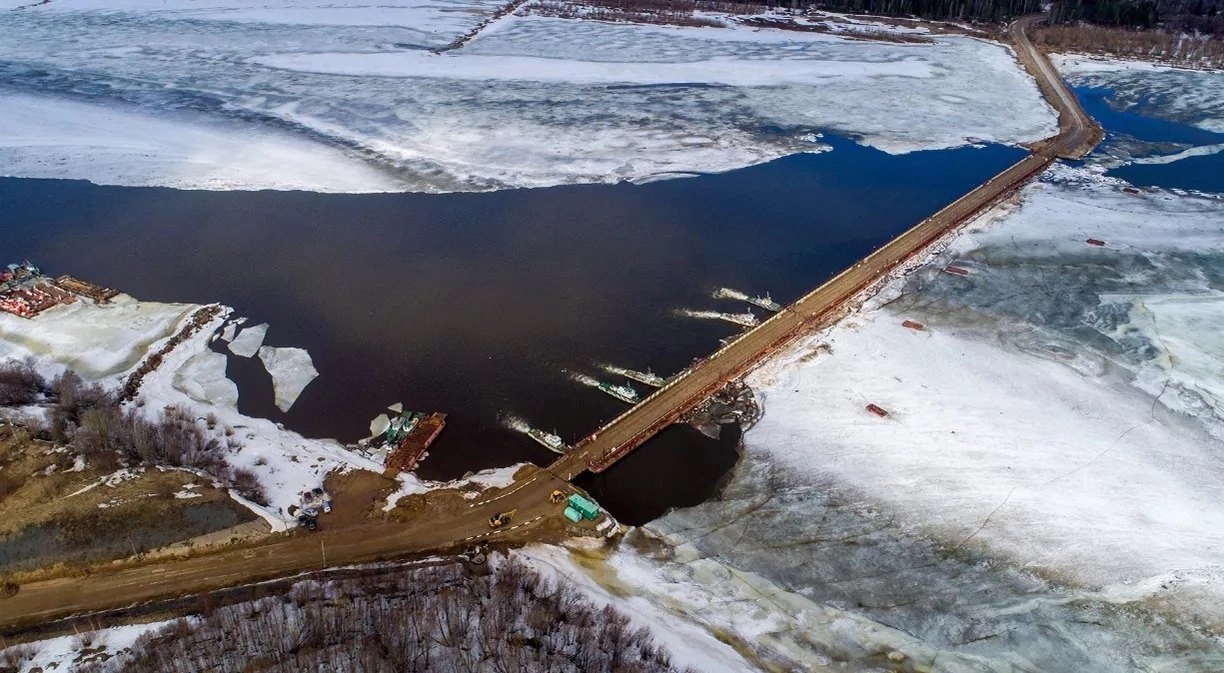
484,305
1129,126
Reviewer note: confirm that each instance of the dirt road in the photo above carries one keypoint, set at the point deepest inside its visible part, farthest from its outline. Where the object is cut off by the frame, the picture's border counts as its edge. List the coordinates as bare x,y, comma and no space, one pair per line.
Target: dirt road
1077,132
465,524
460,525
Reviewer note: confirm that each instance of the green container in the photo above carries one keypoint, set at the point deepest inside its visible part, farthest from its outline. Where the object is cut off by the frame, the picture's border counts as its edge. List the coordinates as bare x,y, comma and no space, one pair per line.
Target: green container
588,509
573,514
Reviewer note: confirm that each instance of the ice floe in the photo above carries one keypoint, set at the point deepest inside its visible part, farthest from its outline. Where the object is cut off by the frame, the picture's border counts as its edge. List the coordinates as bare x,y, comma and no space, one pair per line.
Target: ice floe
249,341
531,102
291,369
50,137
1042,495
1191,96
202,378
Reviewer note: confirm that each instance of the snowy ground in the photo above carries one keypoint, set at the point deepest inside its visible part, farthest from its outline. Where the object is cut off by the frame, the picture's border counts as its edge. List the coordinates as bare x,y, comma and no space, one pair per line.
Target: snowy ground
689,644
347,97
98,342
68,653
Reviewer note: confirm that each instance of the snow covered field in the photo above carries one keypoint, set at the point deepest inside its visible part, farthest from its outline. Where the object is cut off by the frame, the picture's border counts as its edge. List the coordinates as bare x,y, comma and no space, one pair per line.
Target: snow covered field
346,97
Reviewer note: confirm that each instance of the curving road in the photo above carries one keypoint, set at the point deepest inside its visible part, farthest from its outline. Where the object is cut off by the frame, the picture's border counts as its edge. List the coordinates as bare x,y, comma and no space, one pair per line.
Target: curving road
461,526
1078,134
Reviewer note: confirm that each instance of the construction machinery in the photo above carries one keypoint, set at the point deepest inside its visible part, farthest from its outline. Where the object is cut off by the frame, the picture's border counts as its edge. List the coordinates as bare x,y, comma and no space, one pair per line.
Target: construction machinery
557,497
501,518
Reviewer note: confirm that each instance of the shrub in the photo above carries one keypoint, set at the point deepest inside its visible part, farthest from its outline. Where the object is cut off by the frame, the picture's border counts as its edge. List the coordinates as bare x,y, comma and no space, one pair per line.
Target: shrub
17,655
20,383
8,484
248,486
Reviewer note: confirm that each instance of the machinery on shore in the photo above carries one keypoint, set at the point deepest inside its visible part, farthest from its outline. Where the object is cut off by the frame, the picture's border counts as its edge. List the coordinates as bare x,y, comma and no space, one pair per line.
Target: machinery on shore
501,518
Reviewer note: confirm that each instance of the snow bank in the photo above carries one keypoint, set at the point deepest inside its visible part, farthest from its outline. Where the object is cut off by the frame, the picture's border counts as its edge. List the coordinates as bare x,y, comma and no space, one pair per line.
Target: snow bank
410,484
291,369
665,613
45,137
1063,409
531,102
284,462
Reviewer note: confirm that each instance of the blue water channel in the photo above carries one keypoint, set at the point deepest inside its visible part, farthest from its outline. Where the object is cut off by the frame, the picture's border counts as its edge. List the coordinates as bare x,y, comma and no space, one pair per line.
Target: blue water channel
485,305
1138,123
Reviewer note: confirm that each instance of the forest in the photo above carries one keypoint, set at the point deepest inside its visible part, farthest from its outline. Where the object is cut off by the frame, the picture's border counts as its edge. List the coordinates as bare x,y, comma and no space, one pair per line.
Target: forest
501,617
1188,16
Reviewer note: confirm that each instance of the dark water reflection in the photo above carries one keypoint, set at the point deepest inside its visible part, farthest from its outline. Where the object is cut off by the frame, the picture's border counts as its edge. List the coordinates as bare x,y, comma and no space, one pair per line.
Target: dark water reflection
1203,173
477,304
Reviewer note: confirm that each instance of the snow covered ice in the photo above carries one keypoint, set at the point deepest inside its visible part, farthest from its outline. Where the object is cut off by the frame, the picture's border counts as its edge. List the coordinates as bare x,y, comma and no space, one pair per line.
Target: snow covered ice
98,342
346,97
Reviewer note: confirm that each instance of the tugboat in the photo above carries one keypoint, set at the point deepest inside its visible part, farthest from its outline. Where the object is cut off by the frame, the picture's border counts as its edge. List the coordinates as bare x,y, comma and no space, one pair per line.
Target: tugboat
548,440
744,319
647,377
624,393
766,303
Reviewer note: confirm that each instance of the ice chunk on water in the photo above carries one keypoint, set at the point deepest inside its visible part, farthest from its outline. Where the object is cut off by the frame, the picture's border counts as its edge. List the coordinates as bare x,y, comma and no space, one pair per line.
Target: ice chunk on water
249,340
379,425
291,369
202,378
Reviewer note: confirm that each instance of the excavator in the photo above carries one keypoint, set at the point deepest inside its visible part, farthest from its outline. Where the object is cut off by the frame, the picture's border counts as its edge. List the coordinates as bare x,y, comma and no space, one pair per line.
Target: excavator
501,518
557,497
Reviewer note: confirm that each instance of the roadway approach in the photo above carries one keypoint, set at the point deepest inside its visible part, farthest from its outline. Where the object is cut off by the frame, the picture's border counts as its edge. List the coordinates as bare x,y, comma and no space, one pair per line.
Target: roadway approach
459,526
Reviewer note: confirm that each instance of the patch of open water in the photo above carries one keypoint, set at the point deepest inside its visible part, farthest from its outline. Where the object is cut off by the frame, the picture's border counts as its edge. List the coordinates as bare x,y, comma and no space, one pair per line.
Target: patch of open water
1131,126
483,305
